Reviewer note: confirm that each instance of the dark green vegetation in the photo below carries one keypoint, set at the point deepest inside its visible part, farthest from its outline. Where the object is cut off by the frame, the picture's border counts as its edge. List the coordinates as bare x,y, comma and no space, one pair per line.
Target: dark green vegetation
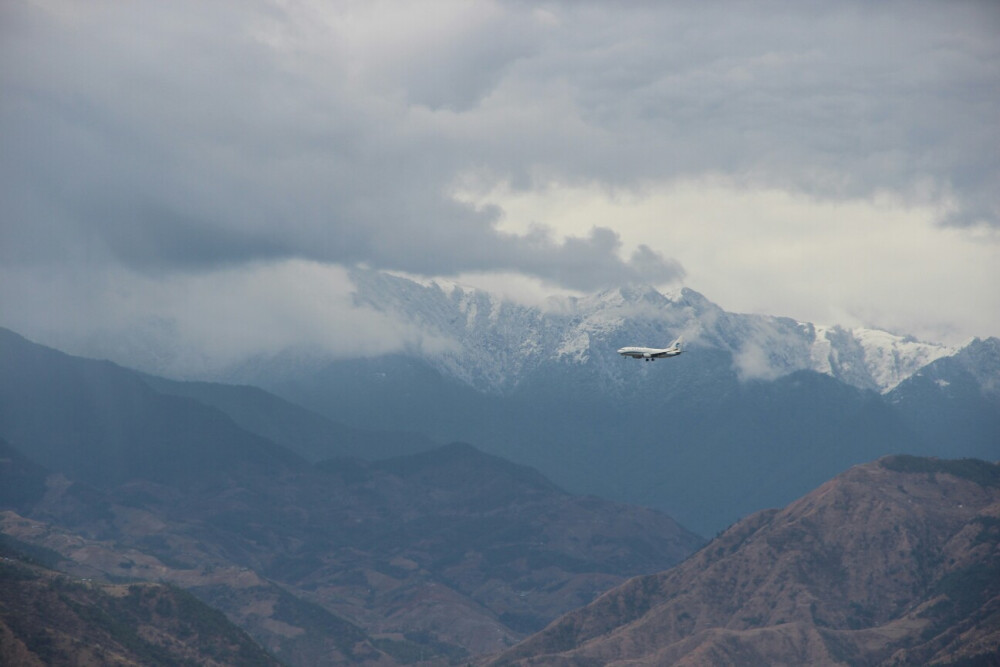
15,549
417,647
48,618
980,472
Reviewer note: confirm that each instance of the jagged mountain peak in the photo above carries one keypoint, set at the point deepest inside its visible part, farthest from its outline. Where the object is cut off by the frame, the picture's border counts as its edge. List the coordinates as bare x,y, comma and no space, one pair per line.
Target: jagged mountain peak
495,344
633,294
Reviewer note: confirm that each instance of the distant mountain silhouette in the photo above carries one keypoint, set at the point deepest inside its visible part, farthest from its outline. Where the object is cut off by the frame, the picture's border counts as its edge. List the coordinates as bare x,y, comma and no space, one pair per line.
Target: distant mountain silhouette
302,431
449,552
756,412
102,424
691,438
893,562
955,400
24,480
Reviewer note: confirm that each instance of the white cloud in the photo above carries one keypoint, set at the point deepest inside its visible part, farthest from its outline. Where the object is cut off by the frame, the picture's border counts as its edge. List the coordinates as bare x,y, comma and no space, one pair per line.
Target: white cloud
196,325
873,262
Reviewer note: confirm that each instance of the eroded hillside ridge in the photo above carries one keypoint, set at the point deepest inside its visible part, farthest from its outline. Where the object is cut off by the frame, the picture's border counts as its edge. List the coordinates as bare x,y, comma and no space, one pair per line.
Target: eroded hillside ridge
893,562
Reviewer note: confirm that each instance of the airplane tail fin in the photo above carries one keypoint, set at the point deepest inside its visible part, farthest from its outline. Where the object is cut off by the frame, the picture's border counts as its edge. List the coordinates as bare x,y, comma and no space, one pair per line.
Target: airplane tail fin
679,343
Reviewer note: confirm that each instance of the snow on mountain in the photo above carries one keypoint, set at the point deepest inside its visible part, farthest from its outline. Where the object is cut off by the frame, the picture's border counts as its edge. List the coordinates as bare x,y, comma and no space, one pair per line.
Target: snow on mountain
492,344
890,359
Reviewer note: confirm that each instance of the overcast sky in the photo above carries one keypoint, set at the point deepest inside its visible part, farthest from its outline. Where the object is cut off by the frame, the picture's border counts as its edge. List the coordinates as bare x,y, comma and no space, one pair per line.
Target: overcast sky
213,169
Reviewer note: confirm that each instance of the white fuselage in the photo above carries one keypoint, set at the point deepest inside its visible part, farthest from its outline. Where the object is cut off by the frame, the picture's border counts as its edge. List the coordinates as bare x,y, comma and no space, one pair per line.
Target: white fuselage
651,353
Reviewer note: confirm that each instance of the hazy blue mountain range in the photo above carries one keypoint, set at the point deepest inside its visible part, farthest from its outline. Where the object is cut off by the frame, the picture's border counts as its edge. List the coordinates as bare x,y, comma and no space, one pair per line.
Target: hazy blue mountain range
755,413
105,425
449,552
895,562
302,431
452,553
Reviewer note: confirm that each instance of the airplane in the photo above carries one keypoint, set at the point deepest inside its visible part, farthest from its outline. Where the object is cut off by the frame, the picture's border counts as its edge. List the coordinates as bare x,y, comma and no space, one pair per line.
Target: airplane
652,353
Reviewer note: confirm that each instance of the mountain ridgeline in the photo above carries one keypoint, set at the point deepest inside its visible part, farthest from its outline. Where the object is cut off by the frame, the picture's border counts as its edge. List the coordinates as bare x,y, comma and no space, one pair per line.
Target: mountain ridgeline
758,411
895,562
443,554
451,555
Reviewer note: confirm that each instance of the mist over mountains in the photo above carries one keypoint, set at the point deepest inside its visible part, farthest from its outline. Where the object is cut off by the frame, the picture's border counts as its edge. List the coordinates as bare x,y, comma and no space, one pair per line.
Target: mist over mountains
758,410
329,543
446,553
250,414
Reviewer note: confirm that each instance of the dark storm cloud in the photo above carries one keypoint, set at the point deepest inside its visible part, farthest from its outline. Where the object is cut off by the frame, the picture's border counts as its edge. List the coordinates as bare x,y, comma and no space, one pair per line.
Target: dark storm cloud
180,135
586,263
171,137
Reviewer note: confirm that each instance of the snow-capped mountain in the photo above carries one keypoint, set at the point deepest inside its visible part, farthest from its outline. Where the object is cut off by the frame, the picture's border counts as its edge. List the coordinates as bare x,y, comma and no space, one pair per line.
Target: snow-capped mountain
756,412
493,345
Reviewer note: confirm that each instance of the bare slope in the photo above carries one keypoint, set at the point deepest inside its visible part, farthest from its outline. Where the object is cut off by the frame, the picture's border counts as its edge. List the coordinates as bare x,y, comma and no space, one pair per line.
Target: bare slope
893,562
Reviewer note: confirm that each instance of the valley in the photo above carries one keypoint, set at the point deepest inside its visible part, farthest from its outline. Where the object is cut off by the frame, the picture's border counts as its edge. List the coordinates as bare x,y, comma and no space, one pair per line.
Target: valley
447,553
322,512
